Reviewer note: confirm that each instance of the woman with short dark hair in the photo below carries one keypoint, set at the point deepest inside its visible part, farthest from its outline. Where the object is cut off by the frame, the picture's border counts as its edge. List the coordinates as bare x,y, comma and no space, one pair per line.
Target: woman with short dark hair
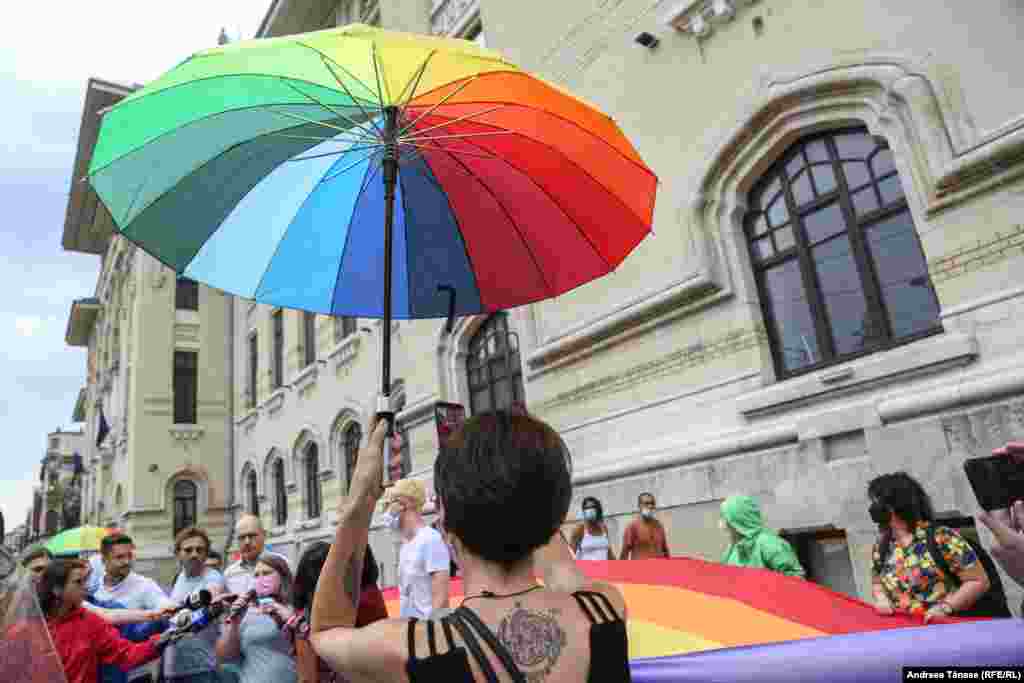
905,574
504,487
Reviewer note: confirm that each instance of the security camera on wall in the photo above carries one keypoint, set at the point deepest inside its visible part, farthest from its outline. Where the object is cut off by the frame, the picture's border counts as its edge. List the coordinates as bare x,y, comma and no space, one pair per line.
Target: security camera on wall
648,40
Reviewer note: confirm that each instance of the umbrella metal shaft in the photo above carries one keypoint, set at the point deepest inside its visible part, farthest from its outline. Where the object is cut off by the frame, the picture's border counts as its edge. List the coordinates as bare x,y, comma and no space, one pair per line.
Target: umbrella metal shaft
390,175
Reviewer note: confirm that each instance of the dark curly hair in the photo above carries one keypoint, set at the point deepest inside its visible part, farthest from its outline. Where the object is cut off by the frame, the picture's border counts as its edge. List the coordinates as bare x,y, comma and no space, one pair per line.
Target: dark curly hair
903,495
505,467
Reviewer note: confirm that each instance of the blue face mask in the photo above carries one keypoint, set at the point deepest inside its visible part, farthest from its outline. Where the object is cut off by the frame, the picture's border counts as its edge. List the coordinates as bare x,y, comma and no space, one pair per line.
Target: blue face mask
590,514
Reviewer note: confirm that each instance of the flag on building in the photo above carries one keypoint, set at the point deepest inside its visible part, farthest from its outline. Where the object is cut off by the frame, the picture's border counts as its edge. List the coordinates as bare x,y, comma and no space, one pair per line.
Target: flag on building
102,429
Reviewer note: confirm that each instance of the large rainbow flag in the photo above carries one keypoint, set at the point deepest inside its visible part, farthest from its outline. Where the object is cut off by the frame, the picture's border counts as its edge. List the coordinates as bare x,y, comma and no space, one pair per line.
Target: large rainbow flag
691,620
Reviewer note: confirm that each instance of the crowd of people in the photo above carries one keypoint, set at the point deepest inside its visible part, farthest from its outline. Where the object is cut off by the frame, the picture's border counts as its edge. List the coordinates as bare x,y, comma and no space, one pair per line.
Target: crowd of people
326,621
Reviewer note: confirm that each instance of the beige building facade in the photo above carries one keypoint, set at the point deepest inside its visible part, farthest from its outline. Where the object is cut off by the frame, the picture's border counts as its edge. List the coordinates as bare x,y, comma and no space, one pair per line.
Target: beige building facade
157,380
832,292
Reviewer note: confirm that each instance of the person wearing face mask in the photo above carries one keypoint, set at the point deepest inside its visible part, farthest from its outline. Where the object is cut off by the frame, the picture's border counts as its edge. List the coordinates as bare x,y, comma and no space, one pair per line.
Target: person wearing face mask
918,566
251,637
751,544
590,540
423,561
645,537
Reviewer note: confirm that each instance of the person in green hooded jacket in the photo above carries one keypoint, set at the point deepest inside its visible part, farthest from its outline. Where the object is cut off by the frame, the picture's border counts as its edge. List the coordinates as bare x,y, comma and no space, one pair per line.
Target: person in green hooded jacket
752,545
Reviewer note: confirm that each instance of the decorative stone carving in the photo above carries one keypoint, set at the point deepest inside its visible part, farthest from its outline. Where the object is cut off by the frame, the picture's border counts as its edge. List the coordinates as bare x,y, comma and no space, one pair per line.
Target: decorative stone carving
274,404
182,433
345,352
307,378
699,17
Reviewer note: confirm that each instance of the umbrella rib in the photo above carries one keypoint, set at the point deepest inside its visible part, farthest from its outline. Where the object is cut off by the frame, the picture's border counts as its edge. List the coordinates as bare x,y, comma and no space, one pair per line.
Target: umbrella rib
326,106
308,120
459,136
337,152
348,233
348,168
533,257
348,92
316,139
465,84
561,208
415,80
376,73
464,117
439,148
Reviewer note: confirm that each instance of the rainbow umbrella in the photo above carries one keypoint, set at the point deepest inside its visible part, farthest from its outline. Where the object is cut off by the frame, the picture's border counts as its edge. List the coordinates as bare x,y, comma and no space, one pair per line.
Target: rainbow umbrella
367,173
79,539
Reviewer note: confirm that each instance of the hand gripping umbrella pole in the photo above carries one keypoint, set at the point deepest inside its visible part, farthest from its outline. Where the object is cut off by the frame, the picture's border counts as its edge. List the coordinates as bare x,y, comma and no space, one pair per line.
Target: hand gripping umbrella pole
385,411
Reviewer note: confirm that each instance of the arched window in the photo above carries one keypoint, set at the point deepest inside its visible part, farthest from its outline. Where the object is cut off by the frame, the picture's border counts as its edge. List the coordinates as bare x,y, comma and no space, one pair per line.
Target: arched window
253,491
185,495
838,263
280,499
312,481
494,371
353,437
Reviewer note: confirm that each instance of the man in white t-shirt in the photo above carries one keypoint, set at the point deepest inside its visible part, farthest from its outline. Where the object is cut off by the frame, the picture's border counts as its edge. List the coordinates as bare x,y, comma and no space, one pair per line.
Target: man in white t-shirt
252,539
423,561
122,585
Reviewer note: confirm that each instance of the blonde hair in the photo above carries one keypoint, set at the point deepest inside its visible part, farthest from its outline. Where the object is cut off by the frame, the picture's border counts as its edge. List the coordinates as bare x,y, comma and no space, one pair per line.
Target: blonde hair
410,489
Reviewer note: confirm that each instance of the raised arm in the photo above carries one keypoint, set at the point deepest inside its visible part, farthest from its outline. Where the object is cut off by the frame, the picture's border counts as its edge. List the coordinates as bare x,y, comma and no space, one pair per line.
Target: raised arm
336,600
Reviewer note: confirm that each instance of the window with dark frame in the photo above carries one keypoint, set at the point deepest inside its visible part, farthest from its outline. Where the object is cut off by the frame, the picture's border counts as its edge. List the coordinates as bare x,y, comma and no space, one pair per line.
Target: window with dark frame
493,367
343,327
838,262
278,367
353,437
254,366
186,386
309,338
186,294
280,499
313,493
254,495
185,495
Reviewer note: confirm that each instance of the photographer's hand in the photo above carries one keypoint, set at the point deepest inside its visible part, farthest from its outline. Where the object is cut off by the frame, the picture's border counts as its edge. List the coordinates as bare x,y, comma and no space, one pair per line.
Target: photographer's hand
1008,544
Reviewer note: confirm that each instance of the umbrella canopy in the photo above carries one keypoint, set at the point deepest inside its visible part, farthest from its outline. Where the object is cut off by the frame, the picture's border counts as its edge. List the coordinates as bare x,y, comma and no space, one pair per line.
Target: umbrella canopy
77,540
260,168
368,173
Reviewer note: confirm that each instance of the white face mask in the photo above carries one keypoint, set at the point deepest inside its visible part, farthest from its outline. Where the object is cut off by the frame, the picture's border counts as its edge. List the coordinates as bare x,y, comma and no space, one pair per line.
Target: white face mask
647,513
392,520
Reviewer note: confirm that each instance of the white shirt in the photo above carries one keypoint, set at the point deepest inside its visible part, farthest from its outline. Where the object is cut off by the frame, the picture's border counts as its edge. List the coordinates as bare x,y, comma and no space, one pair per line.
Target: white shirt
135,592
423,555
593,547
239,576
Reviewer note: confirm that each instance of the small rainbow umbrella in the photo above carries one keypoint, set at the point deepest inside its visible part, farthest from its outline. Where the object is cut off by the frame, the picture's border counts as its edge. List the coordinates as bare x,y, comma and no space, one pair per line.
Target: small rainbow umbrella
79,539
367,173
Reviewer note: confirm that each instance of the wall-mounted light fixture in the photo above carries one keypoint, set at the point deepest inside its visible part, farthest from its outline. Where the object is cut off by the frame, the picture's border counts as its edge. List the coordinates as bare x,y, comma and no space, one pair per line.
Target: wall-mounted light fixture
648,40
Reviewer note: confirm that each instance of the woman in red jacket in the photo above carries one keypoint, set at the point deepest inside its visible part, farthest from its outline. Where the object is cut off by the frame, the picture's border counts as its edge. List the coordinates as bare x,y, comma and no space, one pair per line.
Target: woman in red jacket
83,639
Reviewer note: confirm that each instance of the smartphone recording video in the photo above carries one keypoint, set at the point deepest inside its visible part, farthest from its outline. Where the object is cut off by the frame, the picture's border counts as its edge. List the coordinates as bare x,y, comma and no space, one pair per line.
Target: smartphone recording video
997,481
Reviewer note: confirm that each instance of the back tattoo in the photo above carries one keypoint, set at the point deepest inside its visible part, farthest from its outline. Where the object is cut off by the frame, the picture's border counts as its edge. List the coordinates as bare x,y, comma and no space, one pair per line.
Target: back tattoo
534,639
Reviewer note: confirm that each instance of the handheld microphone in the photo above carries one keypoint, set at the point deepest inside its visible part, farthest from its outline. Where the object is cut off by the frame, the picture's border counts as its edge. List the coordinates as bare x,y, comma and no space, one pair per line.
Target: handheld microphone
197,600
241,605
